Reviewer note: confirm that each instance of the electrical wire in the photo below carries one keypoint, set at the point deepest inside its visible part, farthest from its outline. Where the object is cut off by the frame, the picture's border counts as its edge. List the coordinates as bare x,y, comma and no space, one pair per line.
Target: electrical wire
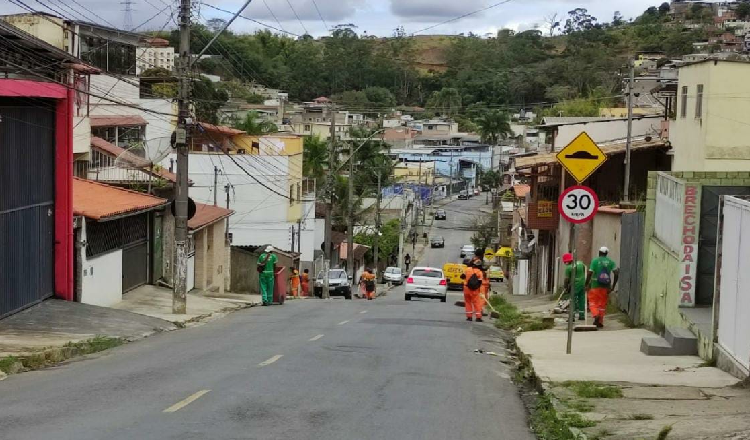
253,20
462,16
320,15
298,19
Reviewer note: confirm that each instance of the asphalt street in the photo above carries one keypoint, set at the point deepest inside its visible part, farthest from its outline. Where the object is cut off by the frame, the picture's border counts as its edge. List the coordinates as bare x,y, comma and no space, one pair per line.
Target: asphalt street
310,369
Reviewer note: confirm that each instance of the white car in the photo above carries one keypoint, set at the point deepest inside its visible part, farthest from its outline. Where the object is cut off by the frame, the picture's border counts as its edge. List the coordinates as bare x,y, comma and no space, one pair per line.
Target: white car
393,275
467,250
426,282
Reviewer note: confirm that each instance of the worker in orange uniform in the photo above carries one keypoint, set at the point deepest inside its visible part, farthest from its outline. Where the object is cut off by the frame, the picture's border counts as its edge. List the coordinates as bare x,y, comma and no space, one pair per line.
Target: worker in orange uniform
473,300
295,282
305,282
599,283
369,279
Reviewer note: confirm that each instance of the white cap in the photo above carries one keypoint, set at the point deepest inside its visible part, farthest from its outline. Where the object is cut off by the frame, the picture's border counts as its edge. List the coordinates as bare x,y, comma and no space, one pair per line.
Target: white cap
269,249
603,250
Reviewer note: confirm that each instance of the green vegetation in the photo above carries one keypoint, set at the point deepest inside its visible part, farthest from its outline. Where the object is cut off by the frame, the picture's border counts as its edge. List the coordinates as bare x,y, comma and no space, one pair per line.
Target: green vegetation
387,244
593,390
580,406
253,124
664,433
601,434
577,421
546,424
512,319
453,75
95,344
641,417
7,363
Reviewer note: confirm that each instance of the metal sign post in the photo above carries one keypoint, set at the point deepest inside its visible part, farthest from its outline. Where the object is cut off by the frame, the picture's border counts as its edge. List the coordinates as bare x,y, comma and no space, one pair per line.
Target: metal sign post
571,305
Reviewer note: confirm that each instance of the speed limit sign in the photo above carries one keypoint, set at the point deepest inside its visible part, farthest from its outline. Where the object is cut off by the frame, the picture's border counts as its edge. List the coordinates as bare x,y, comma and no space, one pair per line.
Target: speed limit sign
578,204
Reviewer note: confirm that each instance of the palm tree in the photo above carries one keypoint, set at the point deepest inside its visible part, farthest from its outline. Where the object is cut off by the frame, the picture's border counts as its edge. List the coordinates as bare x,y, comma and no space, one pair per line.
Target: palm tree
315,158
254,125
447,101
493,126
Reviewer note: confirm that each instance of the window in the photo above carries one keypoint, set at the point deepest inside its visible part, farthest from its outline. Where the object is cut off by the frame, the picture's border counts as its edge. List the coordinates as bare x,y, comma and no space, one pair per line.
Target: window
699,102
683,102
291,194
299,191
307,127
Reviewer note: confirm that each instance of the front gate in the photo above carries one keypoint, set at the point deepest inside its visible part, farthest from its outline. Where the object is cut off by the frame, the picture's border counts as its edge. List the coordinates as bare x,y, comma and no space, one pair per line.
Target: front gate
704,293
27,182
631,269
129,234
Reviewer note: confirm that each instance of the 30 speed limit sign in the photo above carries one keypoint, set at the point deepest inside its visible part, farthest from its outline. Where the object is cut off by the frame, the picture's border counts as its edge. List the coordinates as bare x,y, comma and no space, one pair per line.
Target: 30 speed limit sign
578,204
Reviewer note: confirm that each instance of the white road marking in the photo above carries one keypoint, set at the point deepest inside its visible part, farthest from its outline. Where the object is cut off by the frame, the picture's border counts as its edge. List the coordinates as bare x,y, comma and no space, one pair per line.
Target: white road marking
271,360
315,338
183,403
343,322
363,312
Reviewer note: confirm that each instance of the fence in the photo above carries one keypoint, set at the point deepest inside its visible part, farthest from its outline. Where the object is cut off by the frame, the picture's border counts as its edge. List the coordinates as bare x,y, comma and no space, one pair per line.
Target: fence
669,207
733,279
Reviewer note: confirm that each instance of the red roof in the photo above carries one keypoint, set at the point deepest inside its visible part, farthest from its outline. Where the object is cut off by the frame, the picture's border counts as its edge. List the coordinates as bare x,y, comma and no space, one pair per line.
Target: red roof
222,129
321,99
521,190
98,201
117,121
207,215
131,158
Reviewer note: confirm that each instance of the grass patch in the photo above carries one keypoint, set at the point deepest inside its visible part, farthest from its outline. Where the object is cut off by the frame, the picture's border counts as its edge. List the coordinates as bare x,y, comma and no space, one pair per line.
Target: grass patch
7,362
580,406
664,433
546,424
577,421
512,319
641,417
593,390
603,433
95,344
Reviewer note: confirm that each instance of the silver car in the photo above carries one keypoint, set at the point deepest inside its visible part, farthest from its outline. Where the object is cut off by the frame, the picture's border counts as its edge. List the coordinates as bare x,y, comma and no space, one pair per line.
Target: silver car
426,282
393,275
338,284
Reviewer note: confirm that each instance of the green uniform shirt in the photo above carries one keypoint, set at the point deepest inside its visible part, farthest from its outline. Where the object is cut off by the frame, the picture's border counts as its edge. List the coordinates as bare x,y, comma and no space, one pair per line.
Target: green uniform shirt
580,281
270,262
598,265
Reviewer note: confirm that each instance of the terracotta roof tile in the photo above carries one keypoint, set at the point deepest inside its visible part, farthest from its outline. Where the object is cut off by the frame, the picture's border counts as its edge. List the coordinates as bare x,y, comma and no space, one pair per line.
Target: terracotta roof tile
131,158
98,201
221,129
117,121
207,215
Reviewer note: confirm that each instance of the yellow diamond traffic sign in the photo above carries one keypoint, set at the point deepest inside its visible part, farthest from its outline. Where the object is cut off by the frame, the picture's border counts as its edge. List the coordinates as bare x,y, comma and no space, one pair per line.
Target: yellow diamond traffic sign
581,157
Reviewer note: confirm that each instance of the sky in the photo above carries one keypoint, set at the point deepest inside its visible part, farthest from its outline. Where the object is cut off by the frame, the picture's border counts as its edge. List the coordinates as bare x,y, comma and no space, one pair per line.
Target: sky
374,17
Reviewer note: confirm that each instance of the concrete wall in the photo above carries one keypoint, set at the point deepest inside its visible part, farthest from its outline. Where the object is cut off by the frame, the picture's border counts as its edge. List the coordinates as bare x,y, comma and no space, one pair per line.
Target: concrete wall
718,141
244,270
210,254
102,279
607,131
607,231
47,28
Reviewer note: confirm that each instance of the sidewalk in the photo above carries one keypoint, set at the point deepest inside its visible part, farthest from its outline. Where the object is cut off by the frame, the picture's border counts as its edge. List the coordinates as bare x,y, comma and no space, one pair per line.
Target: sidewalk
608,389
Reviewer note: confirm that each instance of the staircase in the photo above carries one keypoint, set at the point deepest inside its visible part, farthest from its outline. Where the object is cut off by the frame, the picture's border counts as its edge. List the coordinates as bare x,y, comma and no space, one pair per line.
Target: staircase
676,342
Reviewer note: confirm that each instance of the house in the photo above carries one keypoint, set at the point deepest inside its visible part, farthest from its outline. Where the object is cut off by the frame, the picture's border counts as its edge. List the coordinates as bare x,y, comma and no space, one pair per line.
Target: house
210,260
118,166
435,126
708,133
399,137
647,60
37,108
158,54
560,131
419,172
118,249
452,161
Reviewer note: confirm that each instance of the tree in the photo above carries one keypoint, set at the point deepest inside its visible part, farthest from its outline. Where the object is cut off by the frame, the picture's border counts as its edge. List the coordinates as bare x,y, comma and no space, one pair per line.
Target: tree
579,20
447,101
485,230
208,100
664,8
387,241
254,125
156,72
167,90
315,159
493,126
743,10
380,96
553,23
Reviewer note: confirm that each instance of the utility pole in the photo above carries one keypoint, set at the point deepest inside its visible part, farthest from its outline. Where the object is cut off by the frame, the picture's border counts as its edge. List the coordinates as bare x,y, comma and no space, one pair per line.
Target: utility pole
216,179
402,228
376,248
329,202
350,211
629,143
179,294
299,236
226,190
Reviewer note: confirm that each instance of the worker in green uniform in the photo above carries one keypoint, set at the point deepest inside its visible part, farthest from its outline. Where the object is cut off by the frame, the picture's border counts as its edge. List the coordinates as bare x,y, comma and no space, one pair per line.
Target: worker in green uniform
266,270
578,299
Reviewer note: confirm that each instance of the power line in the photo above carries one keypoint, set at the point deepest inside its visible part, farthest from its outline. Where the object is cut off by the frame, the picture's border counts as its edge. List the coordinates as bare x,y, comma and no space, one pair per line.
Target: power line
265,2
298,19
320,15
461,16
253,20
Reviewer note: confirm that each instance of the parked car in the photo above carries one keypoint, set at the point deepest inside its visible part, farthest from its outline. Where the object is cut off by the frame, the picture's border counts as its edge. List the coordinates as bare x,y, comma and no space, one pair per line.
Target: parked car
437,242
440,214
463,195
477,191
495,273
393,275
426,282
453,272
467,250
338,283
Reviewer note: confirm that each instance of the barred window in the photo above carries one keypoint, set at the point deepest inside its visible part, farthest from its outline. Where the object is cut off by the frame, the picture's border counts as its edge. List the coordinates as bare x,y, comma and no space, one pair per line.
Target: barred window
103,237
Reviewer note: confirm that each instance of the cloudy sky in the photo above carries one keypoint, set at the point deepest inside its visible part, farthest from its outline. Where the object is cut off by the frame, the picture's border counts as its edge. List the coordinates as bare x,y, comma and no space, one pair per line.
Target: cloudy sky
378,17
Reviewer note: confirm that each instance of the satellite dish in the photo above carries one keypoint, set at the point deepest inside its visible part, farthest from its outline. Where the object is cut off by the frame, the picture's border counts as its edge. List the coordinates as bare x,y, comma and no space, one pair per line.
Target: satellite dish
139,163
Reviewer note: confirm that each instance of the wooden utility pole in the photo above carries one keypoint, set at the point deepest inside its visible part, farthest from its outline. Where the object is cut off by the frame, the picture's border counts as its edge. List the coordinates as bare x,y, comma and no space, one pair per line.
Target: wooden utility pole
376,240
179,294
216,180
629,142
329,202
350,211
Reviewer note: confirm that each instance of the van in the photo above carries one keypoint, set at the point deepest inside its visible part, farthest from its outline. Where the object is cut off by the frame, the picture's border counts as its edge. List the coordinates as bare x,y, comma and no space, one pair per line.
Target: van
453,272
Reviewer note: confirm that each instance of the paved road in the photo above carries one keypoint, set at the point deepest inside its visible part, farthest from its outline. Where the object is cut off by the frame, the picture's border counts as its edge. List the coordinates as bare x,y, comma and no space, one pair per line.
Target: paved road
311,369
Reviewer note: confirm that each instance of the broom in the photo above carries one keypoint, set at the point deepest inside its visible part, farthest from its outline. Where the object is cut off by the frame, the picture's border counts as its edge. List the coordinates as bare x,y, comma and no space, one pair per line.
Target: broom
586,327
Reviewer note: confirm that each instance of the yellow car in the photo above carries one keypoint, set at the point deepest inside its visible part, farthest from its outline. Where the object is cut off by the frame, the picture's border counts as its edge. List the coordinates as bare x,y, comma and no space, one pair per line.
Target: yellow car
453,272
495,273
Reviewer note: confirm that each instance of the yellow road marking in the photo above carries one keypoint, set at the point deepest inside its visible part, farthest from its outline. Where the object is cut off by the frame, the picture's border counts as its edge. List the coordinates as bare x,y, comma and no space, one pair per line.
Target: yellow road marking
271,360
343,322
183,403
315,338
